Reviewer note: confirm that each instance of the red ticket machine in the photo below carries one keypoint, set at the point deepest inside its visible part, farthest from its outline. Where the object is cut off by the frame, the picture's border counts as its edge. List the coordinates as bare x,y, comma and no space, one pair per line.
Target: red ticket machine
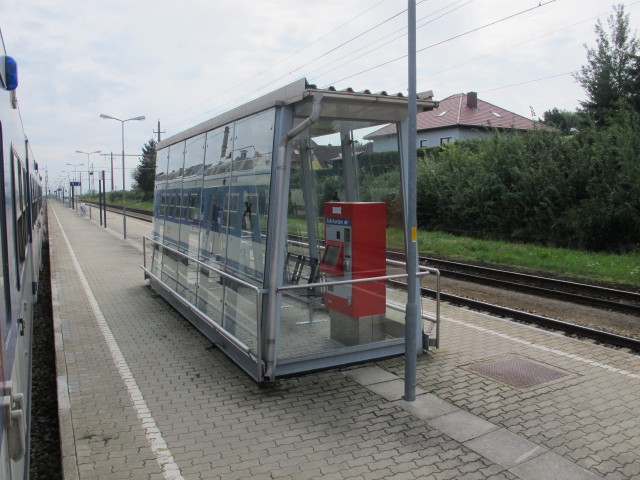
355,248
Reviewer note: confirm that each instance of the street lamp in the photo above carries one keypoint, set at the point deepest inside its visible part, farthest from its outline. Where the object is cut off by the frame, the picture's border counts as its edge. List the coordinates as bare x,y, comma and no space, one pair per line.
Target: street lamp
124,207
88,154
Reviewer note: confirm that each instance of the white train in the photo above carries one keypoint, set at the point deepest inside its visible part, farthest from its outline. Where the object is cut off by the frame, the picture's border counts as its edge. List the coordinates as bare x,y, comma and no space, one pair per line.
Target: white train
22,231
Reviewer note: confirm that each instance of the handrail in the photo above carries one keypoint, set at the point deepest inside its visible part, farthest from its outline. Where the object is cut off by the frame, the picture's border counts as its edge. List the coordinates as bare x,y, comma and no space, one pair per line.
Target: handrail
259,292
202,264
437,273
345,282
423,272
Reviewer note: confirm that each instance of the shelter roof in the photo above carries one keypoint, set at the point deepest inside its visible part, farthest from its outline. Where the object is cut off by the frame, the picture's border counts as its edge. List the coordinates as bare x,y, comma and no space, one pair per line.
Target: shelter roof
347,103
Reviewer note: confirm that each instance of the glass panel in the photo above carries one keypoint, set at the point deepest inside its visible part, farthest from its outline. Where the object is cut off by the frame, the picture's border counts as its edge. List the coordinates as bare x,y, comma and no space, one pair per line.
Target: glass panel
171,233
210,295
251,179
342,197
237,172
159,208
189,224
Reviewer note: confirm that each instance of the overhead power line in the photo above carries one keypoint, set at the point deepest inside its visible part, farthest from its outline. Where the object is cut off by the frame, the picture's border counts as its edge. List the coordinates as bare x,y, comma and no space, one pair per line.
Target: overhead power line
262,72
528,81
447,40
373,47
495,52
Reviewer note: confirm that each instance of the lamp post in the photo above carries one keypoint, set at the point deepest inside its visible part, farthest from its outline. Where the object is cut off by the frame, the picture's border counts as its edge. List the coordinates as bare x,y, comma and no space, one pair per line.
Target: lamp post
88,154
124,207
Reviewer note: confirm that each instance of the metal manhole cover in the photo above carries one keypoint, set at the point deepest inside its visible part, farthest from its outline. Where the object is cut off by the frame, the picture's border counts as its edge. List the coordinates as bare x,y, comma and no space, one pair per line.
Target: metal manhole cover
518,372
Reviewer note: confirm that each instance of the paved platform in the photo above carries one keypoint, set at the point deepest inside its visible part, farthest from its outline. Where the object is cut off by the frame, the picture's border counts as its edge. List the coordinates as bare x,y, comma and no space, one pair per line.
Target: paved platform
142,395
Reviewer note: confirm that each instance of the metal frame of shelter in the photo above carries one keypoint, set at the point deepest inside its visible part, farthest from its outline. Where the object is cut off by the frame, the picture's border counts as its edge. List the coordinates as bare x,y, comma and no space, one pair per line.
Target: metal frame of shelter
230,194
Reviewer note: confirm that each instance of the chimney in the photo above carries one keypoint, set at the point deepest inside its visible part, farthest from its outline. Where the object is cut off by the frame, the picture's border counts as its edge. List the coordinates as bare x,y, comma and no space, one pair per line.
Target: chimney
472,100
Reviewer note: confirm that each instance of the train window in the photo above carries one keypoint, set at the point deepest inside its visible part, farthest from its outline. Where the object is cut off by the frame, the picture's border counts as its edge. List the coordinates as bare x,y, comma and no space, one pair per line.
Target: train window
172,206
214,213
193,207
177,210
19,182
250,213
163,205
230,214
185,206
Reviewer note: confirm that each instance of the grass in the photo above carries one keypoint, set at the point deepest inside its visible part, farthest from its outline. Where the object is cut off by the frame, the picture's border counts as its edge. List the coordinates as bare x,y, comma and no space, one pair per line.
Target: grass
606,267
131,202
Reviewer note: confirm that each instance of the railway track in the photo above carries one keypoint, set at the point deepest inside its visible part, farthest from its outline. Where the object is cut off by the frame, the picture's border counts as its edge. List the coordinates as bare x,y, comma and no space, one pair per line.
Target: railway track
600,336
138,213
610,299
617,300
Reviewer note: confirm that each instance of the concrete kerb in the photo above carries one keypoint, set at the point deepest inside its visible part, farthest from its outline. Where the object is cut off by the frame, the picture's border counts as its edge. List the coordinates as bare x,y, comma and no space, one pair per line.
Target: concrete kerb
498,445
67,439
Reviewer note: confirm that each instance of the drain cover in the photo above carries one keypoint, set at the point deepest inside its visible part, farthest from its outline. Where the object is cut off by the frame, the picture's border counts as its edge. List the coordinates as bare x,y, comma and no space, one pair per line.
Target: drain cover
518,372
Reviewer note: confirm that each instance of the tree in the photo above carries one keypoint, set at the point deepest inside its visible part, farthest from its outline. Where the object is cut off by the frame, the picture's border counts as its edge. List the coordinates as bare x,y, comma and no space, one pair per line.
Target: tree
607,76
145,173
562,120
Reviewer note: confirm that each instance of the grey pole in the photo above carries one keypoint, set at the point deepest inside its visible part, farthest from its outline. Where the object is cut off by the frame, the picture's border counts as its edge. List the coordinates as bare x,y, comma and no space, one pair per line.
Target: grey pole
112,178
124,206
411,320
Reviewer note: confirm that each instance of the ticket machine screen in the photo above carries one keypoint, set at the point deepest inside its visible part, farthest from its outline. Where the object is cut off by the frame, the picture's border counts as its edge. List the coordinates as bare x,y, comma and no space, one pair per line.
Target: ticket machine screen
333,258
331,255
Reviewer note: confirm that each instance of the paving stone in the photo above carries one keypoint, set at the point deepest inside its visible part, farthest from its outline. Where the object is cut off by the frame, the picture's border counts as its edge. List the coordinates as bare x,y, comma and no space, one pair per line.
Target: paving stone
218,424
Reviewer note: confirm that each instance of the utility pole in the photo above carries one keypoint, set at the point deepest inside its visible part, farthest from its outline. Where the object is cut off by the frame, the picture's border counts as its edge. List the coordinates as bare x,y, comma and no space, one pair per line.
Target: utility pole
411,320
112,175
159,132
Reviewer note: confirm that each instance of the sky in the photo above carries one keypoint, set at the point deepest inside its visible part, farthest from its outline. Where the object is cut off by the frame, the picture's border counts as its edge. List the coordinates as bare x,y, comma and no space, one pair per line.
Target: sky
180,63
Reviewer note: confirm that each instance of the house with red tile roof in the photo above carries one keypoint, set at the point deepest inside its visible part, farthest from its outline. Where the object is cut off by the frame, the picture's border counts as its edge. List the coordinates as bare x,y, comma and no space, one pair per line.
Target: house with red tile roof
458,117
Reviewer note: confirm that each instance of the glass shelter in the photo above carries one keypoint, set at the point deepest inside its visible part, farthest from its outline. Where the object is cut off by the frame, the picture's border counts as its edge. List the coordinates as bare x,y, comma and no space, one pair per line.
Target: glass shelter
270,225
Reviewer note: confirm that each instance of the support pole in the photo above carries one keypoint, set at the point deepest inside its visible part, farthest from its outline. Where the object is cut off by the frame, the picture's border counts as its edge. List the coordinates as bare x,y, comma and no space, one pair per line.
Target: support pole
104,199
411,320
100,199
124,205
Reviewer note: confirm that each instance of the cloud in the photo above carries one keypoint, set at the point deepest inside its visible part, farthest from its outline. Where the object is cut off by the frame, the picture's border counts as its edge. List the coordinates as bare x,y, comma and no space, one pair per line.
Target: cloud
184,62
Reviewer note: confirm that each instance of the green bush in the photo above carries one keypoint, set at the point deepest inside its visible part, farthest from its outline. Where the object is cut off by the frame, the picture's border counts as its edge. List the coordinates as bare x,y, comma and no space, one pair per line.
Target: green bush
580,191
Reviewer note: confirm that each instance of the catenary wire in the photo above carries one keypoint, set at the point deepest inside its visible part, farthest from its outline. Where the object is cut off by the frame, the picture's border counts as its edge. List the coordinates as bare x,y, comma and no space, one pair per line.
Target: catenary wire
446,40
239,99
277,63
388,42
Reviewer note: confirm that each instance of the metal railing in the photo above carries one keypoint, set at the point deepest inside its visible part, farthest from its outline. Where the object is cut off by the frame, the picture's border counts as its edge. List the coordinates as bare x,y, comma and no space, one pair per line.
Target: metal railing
423,272
258,293
436,272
